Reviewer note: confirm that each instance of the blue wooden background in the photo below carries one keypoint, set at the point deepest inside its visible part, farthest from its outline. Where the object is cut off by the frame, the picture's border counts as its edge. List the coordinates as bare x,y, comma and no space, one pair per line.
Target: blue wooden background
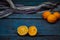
46,31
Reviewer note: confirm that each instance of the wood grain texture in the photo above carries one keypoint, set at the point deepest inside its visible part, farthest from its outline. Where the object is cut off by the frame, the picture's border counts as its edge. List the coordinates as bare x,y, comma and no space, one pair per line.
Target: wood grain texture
46,31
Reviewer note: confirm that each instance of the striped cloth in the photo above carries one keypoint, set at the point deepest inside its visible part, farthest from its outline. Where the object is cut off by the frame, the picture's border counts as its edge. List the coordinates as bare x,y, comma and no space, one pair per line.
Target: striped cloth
4,2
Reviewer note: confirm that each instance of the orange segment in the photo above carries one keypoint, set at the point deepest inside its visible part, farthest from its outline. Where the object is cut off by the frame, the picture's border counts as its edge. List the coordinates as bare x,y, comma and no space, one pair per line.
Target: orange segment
51,19
46,14
22,30
32,31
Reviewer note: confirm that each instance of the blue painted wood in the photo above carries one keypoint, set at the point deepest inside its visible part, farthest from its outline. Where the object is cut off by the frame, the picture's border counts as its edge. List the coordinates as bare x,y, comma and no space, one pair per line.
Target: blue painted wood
20,15
9,26
46,31
29,2
15,37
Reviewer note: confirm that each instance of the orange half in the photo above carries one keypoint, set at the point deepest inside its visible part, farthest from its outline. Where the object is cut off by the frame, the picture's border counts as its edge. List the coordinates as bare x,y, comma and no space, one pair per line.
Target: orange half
22,30
32,31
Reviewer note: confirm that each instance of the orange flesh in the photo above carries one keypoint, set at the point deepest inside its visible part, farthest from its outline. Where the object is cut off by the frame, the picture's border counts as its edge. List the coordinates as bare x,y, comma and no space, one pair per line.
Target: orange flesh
32,31
22,30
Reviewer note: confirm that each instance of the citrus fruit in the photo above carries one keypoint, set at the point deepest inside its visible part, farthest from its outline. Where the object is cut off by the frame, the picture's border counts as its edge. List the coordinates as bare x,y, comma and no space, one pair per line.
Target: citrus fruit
46,14
57,14
22,30
32,31
51,19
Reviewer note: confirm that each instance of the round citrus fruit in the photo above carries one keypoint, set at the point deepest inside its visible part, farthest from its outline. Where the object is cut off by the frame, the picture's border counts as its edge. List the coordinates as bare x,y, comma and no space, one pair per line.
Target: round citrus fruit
57,14
32,31
51,19
22,30
46,14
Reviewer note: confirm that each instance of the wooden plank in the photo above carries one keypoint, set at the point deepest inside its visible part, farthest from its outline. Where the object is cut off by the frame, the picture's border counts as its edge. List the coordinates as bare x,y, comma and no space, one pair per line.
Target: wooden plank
15,37
32,15
9,26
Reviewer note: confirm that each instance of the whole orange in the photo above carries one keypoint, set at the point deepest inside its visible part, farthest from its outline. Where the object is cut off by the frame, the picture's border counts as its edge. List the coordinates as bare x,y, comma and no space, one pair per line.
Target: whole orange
59,17
56,14
51,19
46,14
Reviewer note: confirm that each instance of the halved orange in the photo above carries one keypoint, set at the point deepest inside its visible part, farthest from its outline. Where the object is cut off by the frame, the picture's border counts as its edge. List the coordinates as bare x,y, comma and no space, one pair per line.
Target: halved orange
32,30
22,30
